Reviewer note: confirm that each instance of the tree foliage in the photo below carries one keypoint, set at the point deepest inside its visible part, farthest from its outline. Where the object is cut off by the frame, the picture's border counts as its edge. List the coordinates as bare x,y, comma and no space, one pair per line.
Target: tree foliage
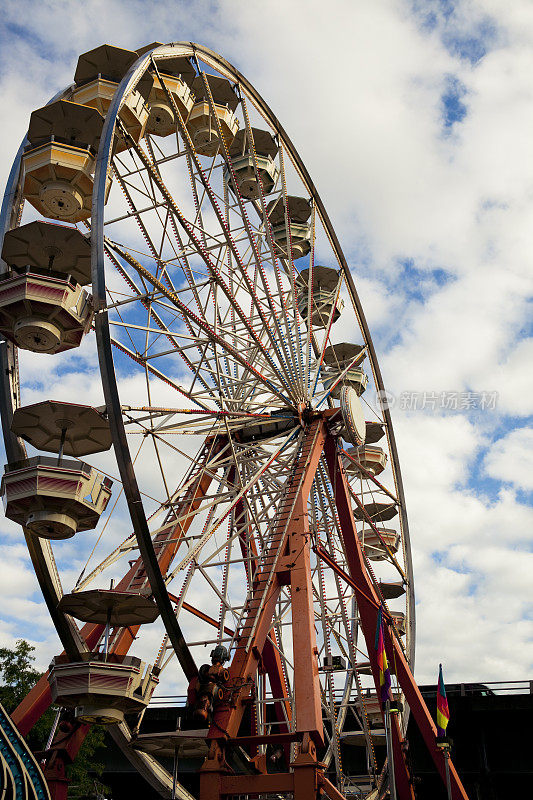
17,677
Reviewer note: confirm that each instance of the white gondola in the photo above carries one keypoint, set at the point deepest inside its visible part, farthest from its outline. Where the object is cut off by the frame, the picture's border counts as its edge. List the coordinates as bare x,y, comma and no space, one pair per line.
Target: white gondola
371,704
59,160
54,501
96,79
202,127
399,620
101,689
45,314
325,302
364,461
298,211
341,366
244,163
377,548
57,497
42,305
175,77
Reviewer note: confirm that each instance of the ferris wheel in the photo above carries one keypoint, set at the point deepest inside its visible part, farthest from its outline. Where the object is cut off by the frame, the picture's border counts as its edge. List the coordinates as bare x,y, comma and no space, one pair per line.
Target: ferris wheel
158,215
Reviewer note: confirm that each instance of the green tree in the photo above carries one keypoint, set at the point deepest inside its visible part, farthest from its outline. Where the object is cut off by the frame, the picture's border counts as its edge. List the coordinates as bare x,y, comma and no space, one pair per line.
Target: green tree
17,677
85,772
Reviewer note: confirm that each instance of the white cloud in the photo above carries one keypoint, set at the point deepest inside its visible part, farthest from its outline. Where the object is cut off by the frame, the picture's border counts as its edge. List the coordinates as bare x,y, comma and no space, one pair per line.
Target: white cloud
510,459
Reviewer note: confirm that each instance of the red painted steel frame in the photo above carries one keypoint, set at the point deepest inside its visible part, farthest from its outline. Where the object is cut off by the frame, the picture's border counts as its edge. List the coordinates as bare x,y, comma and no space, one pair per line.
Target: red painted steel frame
368,605
271,657
287,563
288,553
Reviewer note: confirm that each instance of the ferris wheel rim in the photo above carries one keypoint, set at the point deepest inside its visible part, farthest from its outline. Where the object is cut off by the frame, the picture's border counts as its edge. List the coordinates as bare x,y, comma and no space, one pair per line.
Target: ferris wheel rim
102,328
129,80
40,550
192,48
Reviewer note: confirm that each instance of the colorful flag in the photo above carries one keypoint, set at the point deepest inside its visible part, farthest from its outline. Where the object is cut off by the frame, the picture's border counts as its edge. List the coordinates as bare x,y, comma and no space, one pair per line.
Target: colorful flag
443,712
384,672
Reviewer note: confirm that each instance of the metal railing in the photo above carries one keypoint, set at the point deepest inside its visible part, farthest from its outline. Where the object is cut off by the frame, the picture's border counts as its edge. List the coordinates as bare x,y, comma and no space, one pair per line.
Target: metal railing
49,461
482,689
487,689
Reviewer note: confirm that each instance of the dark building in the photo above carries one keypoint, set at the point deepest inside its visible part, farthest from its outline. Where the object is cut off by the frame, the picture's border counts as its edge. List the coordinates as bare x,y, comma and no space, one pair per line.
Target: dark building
489,727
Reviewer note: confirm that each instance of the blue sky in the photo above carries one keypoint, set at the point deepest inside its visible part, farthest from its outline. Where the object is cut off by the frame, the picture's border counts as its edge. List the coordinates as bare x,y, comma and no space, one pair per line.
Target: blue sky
421,151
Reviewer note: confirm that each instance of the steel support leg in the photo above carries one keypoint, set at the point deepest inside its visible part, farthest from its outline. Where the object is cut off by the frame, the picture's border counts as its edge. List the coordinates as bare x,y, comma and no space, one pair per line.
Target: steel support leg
368,604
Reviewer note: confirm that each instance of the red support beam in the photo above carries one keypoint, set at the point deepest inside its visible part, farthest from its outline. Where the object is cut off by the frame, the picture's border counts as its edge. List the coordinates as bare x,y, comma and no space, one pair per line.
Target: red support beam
272,662
286,562
304,782
292,516
368,605
306,683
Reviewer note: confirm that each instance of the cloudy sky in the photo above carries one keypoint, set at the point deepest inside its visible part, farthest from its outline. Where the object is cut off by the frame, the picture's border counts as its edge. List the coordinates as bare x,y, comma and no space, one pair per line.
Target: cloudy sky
414,119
